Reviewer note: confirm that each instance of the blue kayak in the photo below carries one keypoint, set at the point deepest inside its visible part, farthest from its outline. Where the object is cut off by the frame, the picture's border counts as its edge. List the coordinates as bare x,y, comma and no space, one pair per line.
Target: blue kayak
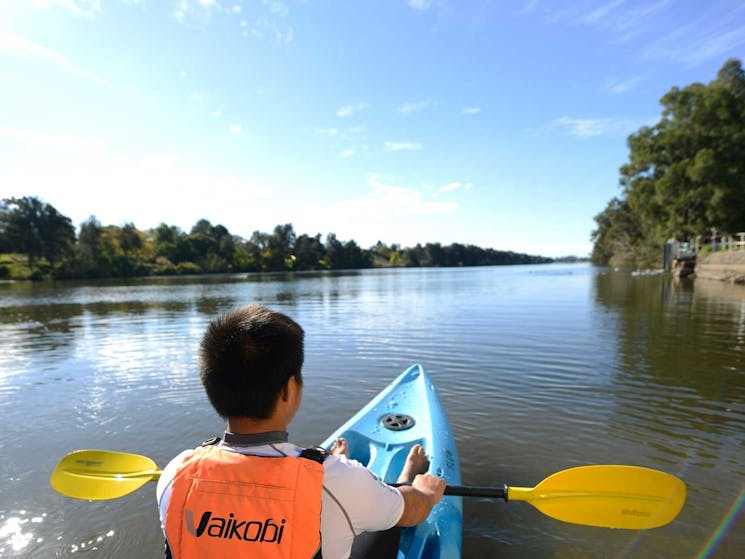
407,412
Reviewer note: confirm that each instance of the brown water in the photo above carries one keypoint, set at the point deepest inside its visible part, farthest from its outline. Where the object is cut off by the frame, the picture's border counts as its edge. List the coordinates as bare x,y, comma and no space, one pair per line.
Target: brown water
541,368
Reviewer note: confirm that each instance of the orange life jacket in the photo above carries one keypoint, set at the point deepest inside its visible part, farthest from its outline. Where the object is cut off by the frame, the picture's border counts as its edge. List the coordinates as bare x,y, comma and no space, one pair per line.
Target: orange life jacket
227,504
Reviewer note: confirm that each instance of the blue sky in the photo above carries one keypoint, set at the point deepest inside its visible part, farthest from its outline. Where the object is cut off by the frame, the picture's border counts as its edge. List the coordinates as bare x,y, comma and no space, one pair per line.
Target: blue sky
497,123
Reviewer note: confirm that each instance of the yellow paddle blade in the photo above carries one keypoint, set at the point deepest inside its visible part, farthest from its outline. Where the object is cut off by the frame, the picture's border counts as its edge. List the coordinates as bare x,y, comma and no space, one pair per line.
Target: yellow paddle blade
627,497
102,474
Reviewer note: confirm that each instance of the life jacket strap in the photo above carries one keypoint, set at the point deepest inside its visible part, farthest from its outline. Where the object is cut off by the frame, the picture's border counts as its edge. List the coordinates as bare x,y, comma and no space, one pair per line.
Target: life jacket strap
317,454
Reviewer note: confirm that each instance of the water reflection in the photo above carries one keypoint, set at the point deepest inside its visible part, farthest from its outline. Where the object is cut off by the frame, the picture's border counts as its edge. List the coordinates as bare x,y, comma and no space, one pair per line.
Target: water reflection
679,335
680,386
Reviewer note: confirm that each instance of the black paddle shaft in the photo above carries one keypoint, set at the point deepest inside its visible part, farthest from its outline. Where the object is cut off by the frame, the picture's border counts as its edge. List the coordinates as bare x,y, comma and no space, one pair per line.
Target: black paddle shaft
467,491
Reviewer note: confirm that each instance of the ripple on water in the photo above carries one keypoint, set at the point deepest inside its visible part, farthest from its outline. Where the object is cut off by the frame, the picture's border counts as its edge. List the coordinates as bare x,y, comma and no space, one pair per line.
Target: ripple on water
94,543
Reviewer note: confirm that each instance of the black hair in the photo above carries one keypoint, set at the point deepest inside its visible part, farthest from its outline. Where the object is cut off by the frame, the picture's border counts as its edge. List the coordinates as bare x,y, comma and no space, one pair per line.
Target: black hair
247,355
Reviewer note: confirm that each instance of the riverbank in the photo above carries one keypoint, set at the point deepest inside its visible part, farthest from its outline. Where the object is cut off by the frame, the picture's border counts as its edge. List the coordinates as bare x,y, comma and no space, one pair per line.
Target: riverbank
723,266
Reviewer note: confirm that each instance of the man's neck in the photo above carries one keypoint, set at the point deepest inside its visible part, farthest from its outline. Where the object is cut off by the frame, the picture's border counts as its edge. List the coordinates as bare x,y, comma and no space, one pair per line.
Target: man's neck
250,426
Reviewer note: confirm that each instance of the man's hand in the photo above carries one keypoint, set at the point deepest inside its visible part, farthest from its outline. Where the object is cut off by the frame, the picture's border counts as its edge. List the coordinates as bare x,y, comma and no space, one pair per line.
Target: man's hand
424,493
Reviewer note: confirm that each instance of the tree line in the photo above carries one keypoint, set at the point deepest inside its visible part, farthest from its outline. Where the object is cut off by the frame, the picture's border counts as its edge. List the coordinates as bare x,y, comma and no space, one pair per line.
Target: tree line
53,249
685,178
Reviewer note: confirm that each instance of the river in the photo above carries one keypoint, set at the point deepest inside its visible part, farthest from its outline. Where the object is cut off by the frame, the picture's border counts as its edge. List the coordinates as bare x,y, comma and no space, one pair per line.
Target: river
541,368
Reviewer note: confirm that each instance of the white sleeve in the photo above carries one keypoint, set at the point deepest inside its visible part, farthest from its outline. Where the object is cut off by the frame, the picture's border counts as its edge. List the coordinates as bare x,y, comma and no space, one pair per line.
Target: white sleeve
367,503
163,489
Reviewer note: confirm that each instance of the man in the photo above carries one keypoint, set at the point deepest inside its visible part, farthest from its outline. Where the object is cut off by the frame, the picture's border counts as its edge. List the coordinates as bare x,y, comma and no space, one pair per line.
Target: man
254,494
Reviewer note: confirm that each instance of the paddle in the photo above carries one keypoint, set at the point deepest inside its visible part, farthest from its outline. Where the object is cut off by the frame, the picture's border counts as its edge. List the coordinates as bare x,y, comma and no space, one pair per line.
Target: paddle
97,475
627,497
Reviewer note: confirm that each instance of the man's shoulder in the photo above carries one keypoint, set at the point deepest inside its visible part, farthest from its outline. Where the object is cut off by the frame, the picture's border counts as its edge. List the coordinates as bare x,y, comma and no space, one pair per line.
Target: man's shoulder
167,474
346,474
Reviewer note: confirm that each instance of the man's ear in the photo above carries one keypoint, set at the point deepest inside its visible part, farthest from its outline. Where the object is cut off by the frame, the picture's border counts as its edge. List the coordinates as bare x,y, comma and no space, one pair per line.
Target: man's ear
284,393
287,389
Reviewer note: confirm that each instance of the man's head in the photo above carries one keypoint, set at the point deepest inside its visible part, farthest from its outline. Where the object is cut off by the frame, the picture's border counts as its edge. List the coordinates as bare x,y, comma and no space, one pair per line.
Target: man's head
246,358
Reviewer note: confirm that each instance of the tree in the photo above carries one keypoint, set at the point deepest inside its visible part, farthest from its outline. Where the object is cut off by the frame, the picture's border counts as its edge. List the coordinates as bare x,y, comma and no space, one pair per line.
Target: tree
91,250
685,174
280,246
35,228
309,252
165,241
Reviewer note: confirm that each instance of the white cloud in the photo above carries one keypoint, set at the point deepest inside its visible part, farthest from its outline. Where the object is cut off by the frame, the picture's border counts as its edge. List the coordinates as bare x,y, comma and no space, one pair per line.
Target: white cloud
347,153
275,7
217,113
467,111
84,8
348,110
592,127
81,176
618,87
420,4
235,128
402,146
19,47
416,106
620,20
383,210
699,41
529,7
601,12
455,185
59,143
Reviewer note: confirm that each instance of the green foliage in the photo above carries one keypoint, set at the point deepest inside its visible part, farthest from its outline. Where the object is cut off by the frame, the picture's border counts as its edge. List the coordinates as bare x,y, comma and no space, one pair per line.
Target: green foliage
34,228
685,174
188,268
114,251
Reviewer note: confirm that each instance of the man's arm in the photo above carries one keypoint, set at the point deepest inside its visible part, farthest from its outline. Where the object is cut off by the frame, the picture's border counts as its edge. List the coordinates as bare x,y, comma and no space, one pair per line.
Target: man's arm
424,493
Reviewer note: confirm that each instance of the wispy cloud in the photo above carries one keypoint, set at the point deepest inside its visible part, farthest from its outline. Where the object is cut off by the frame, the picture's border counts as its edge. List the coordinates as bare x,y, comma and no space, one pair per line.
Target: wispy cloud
420,4
185,8
402,146
327,131
600,13
659,28
19,47
592,127
409,200
618,86
455,185
701,40
529,7
79,165
416,106
621,18
348,110
83,8
268,20
383,210
235,129
347,142
57,143
469,111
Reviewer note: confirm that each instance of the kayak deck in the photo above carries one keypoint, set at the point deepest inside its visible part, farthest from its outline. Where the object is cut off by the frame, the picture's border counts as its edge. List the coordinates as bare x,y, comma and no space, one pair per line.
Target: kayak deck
380,435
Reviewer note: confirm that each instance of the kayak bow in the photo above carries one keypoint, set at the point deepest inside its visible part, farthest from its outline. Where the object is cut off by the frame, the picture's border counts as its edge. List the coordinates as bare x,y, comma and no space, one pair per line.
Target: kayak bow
380,435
